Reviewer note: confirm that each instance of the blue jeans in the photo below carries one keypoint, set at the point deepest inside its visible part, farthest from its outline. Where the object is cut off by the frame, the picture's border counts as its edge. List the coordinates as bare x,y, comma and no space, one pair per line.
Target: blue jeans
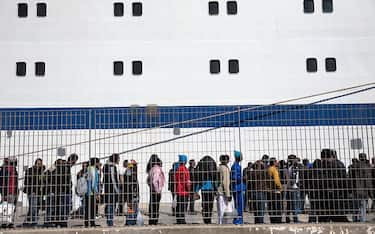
361,206
50,209
109,213
63,208
260,206
33,212
293,203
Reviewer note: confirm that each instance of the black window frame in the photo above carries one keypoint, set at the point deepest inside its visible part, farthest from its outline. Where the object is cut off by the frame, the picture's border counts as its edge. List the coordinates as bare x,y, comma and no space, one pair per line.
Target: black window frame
213,8
331,64
21,69
137,67
40,68
307,9
311,65
215,66
233,66
118,68
22,9
327,6
41,9
232,7
118,9
137,9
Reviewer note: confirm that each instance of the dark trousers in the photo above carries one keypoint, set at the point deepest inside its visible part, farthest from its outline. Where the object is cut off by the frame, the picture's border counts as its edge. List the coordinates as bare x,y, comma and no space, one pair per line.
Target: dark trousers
191,202
153,208
274,207
90,210
182,203
207,205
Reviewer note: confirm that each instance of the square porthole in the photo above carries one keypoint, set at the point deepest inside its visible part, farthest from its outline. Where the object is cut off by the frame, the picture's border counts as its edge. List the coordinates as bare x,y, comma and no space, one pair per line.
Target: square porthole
40,68
327,6
311,65
215,66
232,8
21,69
331,65
22,10
118,68
308,6
41,9
137,67
118,9
213,8
137,8
234,66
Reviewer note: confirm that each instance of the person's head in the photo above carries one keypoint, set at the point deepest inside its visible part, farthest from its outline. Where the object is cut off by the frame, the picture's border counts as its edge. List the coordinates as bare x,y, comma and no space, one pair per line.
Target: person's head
238,156
38,163
72,159
182,159
354,161
114,158
59,162
85,165
132,165
125,163
94,162
249,164
273,161
265,159
362,157
192,163
305,162
325,154
224,159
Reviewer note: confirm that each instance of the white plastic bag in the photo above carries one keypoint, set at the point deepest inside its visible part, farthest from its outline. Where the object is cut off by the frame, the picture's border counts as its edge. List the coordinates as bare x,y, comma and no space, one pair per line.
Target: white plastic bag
174,202
6,213
140,221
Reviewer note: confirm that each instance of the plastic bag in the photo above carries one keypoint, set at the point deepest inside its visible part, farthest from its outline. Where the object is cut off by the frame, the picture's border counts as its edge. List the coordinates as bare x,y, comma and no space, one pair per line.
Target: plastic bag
140,221
174,202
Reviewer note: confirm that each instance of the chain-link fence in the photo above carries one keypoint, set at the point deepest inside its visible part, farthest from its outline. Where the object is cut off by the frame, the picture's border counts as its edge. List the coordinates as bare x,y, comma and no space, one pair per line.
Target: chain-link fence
309,162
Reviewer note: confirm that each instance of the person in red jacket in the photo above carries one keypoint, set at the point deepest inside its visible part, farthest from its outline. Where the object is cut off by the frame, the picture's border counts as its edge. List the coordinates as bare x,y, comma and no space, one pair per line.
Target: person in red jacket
182,189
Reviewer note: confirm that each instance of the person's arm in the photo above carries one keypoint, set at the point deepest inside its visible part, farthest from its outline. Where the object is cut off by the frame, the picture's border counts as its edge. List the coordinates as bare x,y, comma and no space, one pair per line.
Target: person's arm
276,178
113,179
187,181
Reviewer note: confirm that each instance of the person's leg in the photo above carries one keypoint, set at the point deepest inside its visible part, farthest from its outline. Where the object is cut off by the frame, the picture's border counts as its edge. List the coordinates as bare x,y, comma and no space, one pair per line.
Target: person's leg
86,202
220,208
296,205
178,209
92,210
184,208
363,210
191,202
210,201
157,207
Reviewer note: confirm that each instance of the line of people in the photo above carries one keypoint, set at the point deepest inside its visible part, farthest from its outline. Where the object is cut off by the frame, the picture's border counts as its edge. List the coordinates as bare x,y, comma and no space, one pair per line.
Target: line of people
279,188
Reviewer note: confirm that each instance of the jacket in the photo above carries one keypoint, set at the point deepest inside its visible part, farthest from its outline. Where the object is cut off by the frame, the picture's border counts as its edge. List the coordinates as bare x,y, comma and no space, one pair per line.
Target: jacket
93,181
224,181
274,183
360,178
111,183
156,179
33,182
182,181
236,178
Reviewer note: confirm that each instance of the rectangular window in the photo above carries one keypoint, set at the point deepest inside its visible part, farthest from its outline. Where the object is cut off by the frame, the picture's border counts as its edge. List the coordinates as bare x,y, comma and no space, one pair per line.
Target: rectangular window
118,9
137,67
22,10
118,68
215,66
232,8
234,67
41,9
213,8
331,65
40,68
21,69
308,6
137,8
311,65
327,6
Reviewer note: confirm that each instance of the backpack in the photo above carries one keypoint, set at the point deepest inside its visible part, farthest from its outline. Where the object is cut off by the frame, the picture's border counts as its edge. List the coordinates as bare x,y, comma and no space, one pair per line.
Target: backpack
81,188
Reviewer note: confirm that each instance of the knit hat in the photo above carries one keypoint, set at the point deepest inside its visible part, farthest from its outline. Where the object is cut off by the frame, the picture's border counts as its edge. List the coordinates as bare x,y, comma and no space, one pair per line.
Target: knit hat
237,154
182,158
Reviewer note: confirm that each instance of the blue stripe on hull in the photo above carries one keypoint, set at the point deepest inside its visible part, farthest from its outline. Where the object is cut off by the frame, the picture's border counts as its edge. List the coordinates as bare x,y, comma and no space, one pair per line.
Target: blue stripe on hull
140,117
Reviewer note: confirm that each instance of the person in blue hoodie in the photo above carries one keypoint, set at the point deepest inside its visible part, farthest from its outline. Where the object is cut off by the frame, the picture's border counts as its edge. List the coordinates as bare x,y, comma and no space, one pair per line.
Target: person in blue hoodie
238,187
92,194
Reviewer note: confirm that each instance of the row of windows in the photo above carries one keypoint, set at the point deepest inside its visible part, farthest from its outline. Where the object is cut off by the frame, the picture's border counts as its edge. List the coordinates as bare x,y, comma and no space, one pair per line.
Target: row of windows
118,68
309,6
40,68
41,9
215,67
213,8
118,9
233,66
312,64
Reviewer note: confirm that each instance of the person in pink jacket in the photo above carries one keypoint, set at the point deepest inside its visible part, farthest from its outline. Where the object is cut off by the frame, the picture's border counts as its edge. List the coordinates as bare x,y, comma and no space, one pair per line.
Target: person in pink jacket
156,181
